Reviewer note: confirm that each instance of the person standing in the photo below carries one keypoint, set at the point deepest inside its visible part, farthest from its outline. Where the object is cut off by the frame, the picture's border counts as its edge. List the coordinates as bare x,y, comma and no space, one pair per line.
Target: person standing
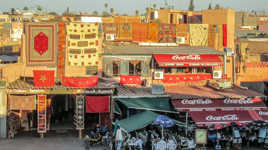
139,143
87,142
119,138
161,145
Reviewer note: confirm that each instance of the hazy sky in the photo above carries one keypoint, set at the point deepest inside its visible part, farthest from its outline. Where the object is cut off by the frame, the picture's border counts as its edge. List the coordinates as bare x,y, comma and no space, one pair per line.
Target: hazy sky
128,6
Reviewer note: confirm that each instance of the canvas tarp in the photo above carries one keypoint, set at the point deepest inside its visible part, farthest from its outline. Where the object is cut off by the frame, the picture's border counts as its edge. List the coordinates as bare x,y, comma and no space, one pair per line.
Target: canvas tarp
198,34
138,121
141,120
155,104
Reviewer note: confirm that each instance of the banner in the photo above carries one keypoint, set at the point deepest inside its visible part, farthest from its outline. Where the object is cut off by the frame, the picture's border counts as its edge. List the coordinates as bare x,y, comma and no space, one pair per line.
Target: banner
131,79
80,82
186,78
224,29
97,104
43,78
22,102
41,113
41,44
61,50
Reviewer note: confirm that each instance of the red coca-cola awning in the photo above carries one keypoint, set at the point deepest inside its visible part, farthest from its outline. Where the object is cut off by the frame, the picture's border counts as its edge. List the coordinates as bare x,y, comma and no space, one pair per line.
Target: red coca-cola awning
223,117
218,104
263,114
178,60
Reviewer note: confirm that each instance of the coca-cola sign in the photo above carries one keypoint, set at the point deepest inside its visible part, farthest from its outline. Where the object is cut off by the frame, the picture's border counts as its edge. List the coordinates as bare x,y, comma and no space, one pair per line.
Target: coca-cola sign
186,57
263,113
240,101
197,101
232,117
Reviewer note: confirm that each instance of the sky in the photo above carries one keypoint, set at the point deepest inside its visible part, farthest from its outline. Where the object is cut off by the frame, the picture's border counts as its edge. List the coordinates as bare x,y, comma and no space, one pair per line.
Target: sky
129,6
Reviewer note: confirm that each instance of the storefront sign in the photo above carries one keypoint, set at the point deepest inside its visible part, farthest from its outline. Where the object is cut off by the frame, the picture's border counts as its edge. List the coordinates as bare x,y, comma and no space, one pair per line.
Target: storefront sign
169,60
198,101
41,113
186,57
263,113
94,91
236,101
232,117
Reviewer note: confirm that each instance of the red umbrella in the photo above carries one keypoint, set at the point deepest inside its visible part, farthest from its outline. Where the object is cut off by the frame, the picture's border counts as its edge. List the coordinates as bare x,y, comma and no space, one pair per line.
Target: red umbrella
218,126
256,100
235,122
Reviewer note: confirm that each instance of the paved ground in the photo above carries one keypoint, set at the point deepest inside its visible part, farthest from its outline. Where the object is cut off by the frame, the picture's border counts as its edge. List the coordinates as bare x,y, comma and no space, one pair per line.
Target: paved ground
67,141
50,142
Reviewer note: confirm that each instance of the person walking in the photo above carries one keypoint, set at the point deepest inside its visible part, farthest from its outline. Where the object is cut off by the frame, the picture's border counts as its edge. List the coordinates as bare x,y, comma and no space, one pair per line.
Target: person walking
161,145
87,142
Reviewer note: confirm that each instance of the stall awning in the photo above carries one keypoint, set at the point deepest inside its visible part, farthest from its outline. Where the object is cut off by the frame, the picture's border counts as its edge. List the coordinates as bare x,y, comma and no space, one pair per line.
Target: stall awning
221,104
224,117
138,121
154,104
178,60
116,109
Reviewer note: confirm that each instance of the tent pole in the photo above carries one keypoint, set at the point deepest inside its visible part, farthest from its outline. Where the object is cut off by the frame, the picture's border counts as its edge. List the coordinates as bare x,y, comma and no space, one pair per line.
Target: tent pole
162,132
186,131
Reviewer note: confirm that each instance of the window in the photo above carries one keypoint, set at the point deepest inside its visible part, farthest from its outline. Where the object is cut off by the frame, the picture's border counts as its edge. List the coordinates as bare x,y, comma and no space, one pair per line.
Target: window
135,68
167,70
116,68
190,70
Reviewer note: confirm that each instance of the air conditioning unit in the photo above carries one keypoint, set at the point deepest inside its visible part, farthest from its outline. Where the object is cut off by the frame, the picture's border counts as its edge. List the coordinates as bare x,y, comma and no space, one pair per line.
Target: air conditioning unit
180,40
217,74
109,37
158,75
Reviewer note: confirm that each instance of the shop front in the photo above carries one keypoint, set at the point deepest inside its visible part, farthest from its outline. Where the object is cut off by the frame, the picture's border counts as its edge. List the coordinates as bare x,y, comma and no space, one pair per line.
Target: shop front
208,104
57,108
127,69
181,68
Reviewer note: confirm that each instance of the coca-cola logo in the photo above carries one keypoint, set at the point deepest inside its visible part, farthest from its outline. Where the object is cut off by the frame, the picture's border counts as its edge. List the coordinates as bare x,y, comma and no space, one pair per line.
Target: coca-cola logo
240,101
186,57
262,113
197,101
219,118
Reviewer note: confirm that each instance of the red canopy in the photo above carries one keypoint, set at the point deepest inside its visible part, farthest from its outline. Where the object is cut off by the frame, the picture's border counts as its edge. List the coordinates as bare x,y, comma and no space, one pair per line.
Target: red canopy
221,104
263,114
215,117
170,60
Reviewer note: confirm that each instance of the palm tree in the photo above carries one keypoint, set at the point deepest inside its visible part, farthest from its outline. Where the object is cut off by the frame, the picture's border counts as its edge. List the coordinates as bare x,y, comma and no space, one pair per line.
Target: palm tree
106,5
39,8
25,8
154,6
95,13
112,11
217,6
137,13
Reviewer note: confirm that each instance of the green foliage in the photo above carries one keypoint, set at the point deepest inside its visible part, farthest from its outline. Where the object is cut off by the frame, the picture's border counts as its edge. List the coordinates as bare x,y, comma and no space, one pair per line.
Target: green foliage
95,13
217,6
209,6
39,8
105,14
137,13
25,8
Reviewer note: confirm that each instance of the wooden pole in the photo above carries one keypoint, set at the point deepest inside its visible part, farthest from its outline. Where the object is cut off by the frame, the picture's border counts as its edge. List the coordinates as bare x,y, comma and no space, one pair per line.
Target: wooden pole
80,133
